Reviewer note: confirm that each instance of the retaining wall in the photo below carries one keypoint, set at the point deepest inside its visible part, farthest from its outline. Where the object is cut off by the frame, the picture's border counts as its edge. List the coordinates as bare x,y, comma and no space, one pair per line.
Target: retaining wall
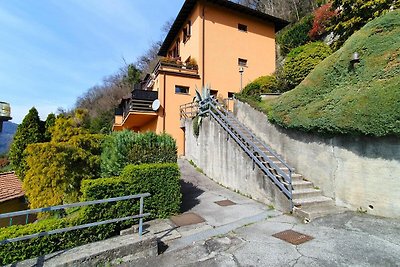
361,173
222,159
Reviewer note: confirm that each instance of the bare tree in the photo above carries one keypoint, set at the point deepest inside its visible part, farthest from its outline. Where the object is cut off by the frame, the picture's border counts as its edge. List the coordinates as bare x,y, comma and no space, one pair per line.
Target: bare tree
291,10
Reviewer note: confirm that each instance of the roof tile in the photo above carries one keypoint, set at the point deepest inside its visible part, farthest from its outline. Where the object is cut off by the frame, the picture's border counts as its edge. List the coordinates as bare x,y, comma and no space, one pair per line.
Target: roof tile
10,186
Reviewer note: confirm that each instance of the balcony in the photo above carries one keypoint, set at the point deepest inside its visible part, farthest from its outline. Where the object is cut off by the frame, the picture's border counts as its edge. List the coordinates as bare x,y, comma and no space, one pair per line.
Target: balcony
134,112
175,66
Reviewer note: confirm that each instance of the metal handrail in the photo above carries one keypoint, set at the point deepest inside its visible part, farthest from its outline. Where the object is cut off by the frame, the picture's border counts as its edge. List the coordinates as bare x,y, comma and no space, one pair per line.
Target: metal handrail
139,216
227,125
262,143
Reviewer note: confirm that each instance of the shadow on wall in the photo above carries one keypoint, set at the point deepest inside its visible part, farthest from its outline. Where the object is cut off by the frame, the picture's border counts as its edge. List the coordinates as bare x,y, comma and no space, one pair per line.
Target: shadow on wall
387,148
189,196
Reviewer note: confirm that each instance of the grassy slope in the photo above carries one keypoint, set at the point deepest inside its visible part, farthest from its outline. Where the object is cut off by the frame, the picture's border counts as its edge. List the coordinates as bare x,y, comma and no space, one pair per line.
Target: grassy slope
336,98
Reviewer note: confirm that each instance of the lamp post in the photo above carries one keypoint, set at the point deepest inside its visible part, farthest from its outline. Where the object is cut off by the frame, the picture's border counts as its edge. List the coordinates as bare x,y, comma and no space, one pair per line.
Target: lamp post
241,70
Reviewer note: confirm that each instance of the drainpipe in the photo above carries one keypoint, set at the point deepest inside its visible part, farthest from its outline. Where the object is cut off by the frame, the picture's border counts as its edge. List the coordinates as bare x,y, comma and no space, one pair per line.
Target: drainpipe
165,95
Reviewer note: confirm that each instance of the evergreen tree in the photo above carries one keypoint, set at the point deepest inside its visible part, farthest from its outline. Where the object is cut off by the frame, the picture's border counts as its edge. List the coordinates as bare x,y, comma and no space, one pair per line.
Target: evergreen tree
50,121
28,132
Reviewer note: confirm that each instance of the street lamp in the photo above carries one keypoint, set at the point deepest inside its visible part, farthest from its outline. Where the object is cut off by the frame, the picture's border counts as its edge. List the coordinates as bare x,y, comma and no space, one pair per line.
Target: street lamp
241,70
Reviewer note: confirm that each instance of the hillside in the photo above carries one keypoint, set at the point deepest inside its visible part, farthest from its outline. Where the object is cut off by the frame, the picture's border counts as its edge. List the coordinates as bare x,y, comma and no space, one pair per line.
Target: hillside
338,97
6,135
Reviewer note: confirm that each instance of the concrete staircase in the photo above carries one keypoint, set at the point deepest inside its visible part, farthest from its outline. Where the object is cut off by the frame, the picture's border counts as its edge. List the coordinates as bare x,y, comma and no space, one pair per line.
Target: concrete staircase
308,201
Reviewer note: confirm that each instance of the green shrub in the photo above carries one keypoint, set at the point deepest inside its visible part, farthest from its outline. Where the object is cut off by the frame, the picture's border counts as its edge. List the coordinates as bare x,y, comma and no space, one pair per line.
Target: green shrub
295,35
261,85
196,126
354,99
56,169
152,148
127,147
22,250
354,14
302,60
28,132
161,180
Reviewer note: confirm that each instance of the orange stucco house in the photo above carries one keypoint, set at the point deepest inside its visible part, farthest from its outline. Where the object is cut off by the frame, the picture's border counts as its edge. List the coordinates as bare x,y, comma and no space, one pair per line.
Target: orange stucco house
209,42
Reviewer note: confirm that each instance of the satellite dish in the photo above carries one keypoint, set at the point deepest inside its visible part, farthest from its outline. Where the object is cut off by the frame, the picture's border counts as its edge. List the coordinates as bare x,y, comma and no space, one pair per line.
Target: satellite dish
156,105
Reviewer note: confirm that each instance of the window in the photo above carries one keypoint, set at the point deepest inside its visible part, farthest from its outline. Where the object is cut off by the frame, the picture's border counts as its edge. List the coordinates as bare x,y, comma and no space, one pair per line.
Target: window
231,95
181,89
242,62
214,93
242,27
187,31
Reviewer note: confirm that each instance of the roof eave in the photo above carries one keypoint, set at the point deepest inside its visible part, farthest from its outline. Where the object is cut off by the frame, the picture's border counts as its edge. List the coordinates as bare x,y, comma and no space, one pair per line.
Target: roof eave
188,6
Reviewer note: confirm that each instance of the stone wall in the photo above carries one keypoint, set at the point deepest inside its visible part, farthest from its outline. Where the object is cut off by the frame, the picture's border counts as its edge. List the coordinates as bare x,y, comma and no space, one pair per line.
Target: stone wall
361,173
222,159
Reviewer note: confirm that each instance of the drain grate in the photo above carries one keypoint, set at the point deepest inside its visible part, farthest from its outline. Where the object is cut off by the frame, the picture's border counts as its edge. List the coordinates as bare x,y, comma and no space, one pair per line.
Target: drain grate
293,237
225,203
188,218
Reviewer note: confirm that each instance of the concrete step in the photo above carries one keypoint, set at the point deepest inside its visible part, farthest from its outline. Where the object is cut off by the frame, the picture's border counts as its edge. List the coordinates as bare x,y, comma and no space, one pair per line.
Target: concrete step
306,193
309,214
297,177
301,184
312,201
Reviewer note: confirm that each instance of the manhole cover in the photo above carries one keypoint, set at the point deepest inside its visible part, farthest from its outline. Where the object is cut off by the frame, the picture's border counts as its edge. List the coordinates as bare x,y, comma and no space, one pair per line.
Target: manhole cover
293,237
225,203
188,218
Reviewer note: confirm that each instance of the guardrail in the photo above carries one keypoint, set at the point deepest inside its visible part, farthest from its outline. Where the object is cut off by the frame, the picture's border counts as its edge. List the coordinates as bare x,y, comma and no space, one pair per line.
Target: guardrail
139,216
188,110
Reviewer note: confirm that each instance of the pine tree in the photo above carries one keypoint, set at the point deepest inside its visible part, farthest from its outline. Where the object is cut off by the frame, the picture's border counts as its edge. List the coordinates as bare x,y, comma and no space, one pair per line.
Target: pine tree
28,132
50,121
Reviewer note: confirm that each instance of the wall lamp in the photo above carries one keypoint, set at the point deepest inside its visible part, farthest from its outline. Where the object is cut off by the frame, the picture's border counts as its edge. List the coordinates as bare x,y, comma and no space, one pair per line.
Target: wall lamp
355,58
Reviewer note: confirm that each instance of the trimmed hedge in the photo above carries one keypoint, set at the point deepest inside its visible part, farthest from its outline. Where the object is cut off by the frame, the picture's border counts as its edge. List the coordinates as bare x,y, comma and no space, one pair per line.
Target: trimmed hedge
19,251
127,147
161,180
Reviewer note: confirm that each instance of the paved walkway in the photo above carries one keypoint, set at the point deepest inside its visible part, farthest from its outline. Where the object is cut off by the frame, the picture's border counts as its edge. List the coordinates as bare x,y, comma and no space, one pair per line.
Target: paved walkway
241,235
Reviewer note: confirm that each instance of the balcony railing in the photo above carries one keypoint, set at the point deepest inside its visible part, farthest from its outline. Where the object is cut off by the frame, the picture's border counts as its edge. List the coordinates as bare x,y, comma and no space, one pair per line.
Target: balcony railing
173,66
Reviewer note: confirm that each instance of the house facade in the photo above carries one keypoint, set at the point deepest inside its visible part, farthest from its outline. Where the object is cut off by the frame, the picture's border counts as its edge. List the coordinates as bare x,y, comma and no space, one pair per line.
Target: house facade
215,43
12,198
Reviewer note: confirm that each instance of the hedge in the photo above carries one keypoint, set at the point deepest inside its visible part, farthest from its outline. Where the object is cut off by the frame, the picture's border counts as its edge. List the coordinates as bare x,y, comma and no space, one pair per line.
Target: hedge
127,147
160,180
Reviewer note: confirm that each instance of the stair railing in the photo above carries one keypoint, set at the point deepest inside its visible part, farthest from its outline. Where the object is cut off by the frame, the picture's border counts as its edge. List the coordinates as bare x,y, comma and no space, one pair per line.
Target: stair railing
225,119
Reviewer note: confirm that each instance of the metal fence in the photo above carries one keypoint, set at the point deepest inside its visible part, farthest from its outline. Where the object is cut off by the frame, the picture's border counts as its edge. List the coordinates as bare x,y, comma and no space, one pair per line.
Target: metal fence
139,216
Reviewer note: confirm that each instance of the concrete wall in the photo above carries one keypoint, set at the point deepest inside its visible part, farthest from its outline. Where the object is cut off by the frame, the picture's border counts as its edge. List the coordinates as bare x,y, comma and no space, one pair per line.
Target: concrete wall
225,162
358,172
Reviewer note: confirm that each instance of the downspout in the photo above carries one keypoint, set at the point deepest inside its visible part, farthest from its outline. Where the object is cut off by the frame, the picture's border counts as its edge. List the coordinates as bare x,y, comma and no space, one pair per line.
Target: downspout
165,95
204,47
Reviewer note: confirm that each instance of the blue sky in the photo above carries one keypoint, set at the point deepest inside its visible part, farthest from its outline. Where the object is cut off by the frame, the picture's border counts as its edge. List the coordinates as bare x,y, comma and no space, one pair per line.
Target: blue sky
52,51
